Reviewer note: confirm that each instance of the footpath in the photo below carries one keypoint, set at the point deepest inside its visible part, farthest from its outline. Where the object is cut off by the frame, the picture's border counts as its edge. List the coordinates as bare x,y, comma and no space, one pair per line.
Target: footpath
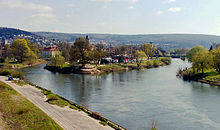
68,119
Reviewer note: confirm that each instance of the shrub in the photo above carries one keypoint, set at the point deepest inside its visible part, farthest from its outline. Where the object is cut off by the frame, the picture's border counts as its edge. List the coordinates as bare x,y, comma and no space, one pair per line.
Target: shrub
13,73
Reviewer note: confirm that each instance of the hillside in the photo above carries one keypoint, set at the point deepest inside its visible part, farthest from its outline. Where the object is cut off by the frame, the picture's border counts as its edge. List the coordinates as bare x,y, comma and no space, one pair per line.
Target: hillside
11,32
166,41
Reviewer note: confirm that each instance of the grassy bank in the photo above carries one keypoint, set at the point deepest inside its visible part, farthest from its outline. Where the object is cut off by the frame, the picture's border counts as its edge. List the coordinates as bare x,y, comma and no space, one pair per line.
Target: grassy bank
18,113
15,65
60,101
209,76
13,73
144,64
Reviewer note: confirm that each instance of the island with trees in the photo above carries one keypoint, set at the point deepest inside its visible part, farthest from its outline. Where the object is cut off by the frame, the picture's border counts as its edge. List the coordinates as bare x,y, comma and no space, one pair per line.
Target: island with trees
205,65
83,58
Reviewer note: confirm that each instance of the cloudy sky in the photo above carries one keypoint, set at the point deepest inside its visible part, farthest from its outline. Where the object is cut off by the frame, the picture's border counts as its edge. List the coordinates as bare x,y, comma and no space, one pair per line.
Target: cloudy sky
113,16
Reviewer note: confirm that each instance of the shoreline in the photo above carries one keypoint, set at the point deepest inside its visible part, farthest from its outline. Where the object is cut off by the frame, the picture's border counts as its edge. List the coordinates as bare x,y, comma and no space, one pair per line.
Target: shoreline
88,119
107,68
24,66
189,76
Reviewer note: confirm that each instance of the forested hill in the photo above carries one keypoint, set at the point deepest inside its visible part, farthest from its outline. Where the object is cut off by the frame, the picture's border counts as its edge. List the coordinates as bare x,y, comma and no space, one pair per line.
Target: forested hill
163,40
166,41
11,32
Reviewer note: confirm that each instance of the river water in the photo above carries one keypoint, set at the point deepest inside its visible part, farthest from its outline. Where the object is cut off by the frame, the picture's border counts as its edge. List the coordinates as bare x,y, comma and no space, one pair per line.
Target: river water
136,98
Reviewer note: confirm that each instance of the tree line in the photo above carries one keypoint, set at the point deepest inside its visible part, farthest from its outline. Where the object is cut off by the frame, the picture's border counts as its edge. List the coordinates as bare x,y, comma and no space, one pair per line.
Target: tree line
203,59
81,52
21,51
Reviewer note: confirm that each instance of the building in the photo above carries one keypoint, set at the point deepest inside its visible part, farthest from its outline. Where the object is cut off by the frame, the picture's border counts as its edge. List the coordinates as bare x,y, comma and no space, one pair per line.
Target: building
47,52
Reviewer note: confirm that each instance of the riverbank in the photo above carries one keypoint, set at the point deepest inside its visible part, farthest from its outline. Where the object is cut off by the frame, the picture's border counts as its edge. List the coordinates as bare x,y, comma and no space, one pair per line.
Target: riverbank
108,68
209,77
66,115
21,65
16,112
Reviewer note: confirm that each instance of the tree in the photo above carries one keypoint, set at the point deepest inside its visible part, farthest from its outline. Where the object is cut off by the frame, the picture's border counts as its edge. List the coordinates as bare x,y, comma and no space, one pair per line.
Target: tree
57,60
20,50
65,50
201,61
194,50
140,56
216,59
32,58
148,49
79,51
95,55
33,47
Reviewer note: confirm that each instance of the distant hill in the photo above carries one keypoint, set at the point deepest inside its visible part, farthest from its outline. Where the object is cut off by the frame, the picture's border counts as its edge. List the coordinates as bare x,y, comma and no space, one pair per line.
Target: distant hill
165,41
10,32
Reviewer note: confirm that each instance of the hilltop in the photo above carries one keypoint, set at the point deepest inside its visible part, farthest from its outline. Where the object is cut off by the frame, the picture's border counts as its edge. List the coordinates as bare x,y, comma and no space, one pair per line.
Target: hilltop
166,41
11,32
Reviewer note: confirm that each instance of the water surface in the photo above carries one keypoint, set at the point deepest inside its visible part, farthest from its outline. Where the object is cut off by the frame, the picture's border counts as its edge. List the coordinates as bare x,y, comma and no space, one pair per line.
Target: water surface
135,98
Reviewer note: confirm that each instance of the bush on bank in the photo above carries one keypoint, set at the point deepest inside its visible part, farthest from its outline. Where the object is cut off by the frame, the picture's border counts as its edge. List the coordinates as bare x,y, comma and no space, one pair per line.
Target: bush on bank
13,73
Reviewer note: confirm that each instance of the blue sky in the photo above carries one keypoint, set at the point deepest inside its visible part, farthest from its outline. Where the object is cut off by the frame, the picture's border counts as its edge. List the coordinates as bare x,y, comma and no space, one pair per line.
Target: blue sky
113,16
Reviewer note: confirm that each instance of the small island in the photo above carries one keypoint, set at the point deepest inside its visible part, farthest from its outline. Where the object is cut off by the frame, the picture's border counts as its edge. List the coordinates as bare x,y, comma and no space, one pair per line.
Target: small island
83,58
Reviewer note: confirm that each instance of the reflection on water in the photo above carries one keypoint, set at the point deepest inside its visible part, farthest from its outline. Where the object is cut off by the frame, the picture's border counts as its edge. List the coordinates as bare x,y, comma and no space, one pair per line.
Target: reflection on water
135,98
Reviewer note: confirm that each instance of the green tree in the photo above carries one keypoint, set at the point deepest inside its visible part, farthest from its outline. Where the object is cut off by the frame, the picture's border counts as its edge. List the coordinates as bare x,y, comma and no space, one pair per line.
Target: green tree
194,50
34,48
216,59
57,60
80,50
201,60
148,49
140,56
32,58
20,50
65,49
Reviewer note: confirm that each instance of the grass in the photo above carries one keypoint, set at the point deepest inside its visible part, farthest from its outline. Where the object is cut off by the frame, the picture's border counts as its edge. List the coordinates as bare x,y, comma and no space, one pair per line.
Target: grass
208,75
19,113
60,101
54,99
20,82
110,67
65,65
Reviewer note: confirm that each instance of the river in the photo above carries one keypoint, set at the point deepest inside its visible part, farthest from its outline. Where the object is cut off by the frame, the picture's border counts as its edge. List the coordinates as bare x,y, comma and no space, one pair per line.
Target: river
136,98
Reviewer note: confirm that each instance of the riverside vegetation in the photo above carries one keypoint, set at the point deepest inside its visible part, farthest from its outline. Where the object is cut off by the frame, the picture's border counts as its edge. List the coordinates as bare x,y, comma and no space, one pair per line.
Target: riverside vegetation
21,53
205,65
19,113
26,110
83,58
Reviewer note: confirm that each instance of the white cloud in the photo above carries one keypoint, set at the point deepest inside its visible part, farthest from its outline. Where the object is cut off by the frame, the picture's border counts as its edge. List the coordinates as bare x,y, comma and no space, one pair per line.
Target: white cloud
105,7
101,0
133,1
174,9
159,12
170,1
24,5
131,7
44,15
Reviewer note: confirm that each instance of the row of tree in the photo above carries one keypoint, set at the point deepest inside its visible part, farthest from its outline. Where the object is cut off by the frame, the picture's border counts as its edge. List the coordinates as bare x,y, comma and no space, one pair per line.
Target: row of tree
21,51
82,52
203,59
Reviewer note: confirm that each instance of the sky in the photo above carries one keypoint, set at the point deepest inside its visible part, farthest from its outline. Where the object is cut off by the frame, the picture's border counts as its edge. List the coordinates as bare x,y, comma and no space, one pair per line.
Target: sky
113,16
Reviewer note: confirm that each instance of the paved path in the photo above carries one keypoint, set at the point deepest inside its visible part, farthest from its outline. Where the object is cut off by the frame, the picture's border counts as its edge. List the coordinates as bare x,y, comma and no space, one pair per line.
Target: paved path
67,118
